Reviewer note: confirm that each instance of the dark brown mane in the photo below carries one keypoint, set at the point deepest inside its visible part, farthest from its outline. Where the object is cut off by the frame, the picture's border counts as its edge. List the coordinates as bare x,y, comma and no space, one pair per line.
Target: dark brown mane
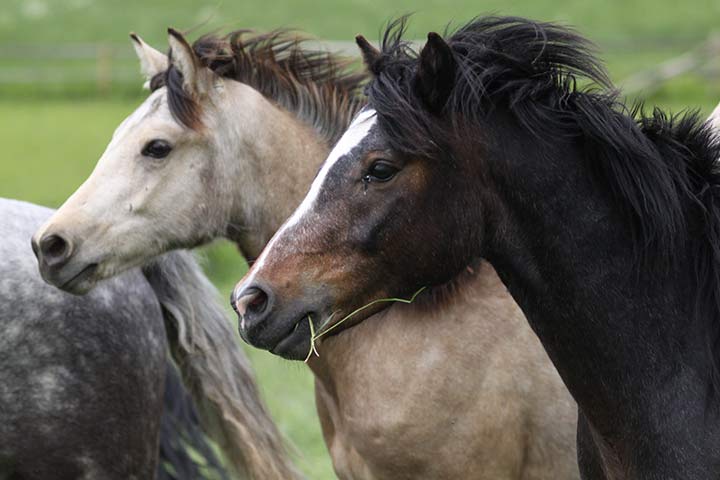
316,86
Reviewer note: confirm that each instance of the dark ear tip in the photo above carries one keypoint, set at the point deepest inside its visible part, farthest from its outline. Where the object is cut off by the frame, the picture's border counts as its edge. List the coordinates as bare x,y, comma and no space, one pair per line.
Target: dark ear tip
135,38
370,54
174,33
433,36
363,43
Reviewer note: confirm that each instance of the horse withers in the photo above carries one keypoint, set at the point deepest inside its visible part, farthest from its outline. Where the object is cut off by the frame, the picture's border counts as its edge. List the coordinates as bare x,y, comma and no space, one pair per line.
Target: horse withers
603,223
226,144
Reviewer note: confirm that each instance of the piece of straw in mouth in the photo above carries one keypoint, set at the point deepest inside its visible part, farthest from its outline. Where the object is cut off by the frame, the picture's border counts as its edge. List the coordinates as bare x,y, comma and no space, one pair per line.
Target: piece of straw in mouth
321,332
312,341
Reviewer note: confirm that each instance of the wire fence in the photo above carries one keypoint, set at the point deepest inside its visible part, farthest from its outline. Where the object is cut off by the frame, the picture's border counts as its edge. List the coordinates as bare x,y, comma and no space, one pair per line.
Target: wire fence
100,64
103,66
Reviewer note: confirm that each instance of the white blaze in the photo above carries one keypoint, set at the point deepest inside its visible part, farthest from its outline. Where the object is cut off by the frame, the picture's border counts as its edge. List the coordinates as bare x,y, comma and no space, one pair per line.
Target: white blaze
356,132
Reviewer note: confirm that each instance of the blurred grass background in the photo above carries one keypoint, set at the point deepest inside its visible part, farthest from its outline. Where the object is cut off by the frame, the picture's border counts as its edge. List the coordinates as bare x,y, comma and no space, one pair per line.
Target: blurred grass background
68,77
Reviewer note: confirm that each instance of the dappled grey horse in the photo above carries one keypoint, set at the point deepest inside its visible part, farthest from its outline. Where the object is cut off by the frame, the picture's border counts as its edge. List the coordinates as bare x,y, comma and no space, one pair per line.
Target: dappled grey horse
81,378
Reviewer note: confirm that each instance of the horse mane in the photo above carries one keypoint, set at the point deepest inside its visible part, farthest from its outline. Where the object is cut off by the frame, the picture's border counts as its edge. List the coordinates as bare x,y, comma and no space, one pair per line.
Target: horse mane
662,170
315,85
215,370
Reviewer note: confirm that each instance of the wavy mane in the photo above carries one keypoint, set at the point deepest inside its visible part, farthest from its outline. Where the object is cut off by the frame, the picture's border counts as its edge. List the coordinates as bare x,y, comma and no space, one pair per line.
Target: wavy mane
662,170
316,86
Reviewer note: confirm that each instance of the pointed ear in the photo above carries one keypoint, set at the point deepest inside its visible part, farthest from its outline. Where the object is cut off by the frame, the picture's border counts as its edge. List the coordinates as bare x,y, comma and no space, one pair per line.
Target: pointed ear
370,54
152,61
197,79
435,76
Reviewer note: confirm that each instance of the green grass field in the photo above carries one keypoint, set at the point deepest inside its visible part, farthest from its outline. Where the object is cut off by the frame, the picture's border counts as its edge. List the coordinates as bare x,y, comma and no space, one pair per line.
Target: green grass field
109,21
52,136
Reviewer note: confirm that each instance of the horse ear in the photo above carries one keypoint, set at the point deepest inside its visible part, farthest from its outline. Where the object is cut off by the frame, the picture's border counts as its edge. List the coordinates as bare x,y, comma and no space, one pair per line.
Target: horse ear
197,80
152,61
435,76
370,54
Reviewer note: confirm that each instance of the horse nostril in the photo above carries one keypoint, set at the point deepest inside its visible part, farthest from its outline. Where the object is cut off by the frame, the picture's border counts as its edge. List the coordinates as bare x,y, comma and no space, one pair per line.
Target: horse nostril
54,249
258,303
251,303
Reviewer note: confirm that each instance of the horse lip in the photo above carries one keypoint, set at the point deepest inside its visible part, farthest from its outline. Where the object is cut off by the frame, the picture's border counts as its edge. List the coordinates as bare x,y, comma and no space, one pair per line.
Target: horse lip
286,339
83,274
286,345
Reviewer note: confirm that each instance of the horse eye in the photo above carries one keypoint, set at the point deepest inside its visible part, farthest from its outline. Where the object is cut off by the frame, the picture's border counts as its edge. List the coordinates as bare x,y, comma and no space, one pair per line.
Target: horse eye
156,149
380,171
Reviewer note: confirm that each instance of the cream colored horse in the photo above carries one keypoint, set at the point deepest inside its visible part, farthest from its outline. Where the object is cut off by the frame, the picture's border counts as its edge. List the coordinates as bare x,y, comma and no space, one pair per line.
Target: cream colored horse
461,390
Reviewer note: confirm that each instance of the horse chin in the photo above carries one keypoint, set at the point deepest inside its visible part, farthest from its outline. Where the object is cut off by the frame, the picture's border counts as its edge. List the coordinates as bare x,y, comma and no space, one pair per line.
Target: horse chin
77,280
83,282
296,345
291,342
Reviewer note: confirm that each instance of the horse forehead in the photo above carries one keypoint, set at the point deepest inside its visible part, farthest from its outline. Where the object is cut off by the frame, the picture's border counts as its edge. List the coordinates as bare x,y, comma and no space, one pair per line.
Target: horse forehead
150,106
346,164
358,131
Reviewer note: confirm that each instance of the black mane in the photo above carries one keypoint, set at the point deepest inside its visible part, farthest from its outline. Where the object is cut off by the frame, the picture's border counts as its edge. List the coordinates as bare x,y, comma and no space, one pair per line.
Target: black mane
507,60
662,169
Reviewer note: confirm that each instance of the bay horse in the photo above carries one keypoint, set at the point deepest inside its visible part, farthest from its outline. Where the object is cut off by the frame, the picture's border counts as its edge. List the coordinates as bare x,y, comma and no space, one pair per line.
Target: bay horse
81,379
226,145
603,223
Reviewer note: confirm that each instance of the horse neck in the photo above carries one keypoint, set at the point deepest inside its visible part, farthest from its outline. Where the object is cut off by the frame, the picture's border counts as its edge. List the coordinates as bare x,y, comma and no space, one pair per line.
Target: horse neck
278,159
567,255
418,334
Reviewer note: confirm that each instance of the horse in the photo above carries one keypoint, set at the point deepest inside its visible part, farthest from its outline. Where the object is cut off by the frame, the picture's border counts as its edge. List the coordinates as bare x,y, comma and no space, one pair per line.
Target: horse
82,379
506,141
226,145
201,340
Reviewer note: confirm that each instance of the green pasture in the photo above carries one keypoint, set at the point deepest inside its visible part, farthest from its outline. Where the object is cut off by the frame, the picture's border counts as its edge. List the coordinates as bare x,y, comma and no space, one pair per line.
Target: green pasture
52,133
58,21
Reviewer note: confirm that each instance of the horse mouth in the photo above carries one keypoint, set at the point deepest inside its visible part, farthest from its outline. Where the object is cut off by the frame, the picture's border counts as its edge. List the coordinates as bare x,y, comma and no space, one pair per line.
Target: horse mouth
75,284
295,345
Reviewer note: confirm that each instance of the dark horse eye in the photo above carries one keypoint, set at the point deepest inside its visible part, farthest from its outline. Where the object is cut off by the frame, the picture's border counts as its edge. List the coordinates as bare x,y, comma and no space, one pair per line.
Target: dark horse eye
156,149
380,171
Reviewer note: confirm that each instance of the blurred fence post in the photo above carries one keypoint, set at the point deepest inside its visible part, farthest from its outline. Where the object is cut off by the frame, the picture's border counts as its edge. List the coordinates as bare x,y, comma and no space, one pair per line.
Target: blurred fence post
103,68
700,59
